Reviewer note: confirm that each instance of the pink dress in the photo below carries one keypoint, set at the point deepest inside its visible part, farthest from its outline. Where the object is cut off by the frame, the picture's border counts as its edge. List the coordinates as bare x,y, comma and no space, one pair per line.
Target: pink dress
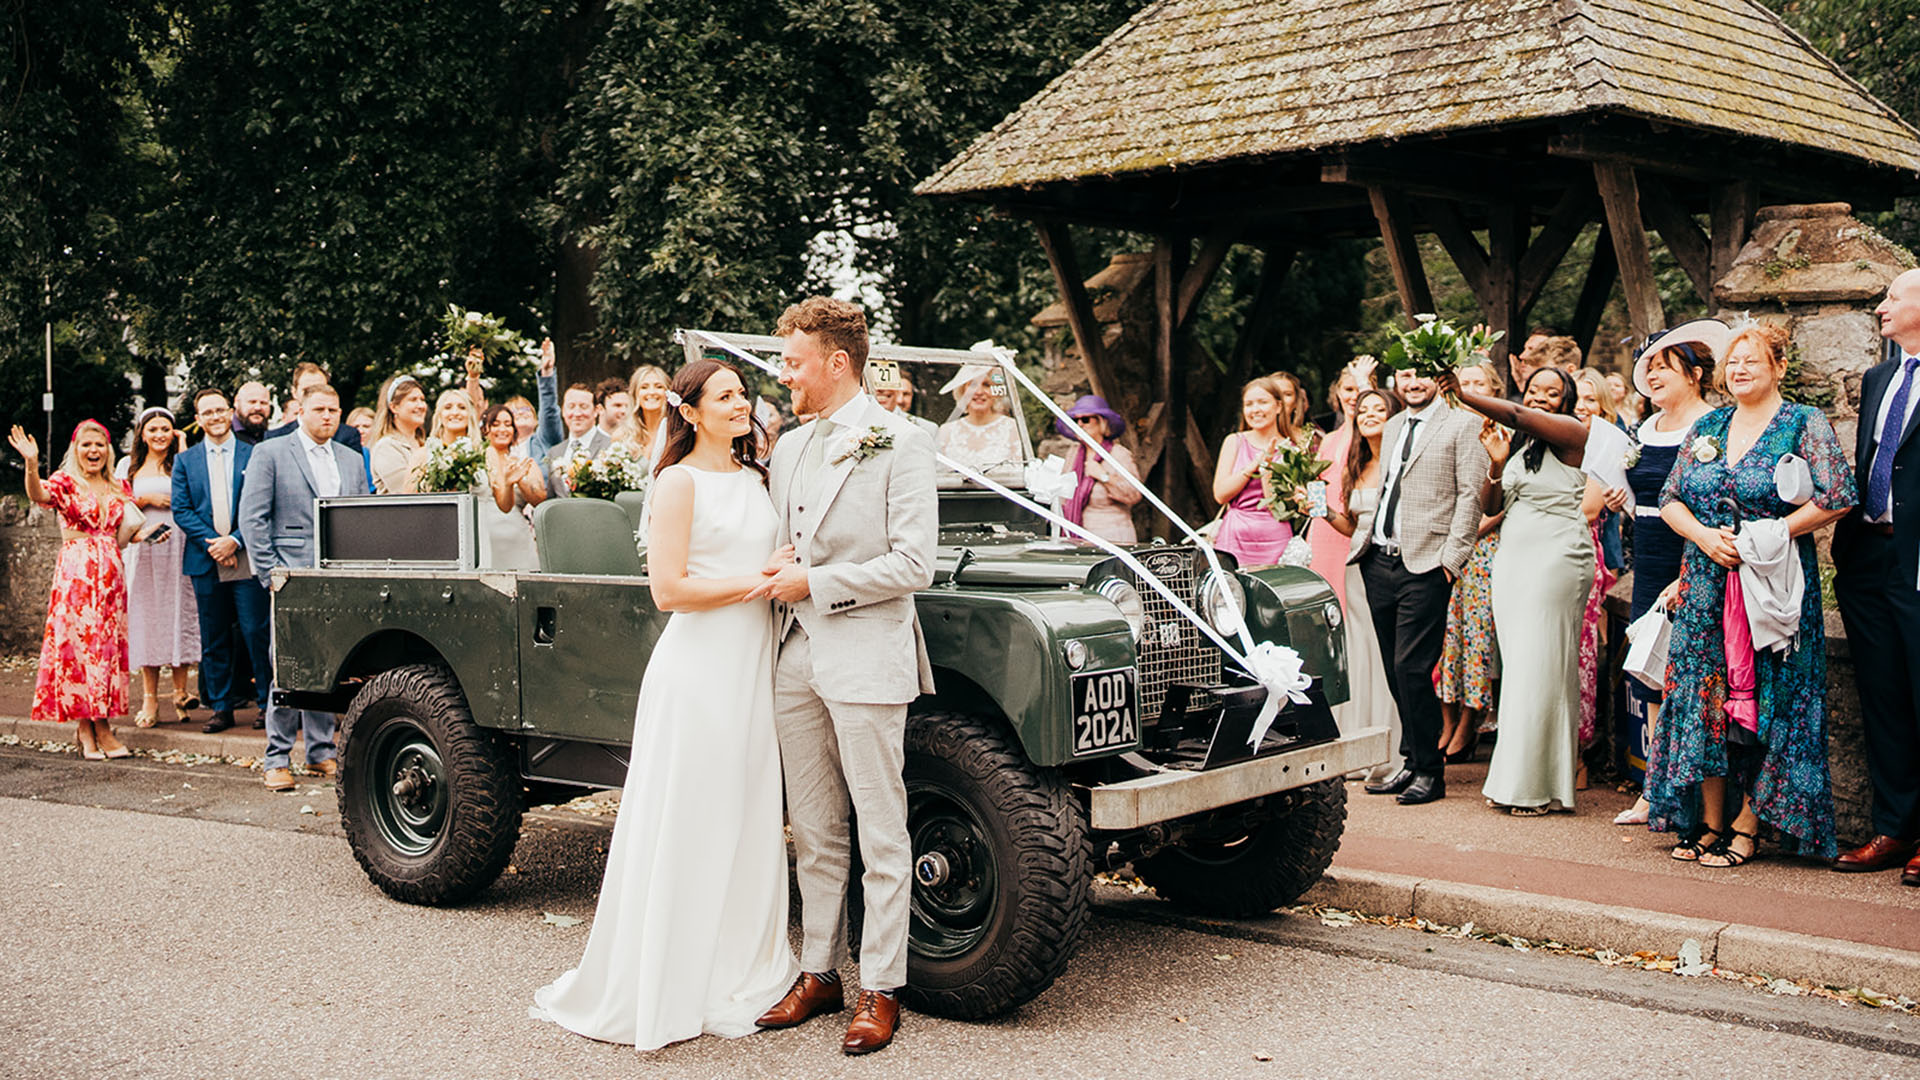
1329,547
1250,533
83,656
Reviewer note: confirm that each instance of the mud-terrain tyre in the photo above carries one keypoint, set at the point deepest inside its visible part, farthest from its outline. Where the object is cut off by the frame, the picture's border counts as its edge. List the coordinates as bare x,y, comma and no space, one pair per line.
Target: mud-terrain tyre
1000,874
1255,870
429,799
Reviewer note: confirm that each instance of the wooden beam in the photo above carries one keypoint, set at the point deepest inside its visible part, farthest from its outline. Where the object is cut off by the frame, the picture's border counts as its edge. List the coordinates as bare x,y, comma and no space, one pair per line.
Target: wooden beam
1549,248
1620,195
1171,379
1058,244
1433,173
1193,284
1731,219
1403,252
1460,243
1683,236
1507,233
1274,264
1595,291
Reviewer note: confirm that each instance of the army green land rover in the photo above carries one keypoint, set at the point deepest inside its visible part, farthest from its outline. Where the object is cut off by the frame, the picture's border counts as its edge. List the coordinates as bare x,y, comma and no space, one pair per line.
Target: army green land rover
1080,723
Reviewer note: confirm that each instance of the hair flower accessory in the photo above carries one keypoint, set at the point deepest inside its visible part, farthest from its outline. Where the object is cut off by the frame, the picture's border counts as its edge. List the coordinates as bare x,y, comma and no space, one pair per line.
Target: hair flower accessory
1705,449
674,400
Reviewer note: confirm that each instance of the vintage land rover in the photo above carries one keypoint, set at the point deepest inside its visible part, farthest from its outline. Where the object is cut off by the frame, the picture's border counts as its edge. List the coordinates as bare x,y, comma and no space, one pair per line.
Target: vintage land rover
1080,722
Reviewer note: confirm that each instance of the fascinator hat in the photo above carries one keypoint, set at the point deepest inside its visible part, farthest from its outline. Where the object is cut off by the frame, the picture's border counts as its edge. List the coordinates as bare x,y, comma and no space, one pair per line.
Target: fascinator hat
1701,342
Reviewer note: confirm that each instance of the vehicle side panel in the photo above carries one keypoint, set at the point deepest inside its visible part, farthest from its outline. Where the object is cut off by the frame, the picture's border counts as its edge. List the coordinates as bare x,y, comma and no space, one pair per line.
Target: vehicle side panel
585,642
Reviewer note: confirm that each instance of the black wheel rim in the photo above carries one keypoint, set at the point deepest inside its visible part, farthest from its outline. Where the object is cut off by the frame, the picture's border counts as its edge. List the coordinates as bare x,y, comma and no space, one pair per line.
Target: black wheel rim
407,784
955,882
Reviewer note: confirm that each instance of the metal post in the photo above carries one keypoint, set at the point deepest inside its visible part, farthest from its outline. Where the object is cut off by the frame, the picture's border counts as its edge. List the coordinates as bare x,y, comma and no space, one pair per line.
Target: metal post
46,400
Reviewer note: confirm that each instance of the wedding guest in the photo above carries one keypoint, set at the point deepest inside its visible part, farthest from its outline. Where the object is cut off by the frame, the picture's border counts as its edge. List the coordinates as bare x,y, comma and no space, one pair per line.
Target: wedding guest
1350,513
276,526
1247,530
305,374
647,390
1409,558
1522,364
508,485
1743,727
584,437
981,434
1672,372
361,421
1594,401
252,411
1101,502
1558,350
539,428
399,436
83,651
1293,404
163,623
615,403
900,400
1330,547
1875,551
1631,407
232,606
1470,652
452,416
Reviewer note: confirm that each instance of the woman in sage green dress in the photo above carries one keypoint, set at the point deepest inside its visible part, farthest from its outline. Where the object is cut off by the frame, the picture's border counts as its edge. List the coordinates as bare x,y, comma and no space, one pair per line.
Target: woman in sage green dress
1541,576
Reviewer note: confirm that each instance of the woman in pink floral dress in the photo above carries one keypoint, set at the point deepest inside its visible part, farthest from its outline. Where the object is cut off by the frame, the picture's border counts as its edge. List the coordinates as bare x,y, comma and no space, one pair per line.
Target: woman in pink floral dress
83,657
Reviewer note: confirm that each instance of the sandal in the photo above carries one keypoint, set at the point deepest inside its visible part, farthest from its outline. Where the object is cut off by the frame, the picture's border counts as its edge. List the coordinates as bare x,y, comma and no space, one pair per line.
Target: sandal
1529,811
1690,848
1633,815
148,716
1723,850
183,702
83,738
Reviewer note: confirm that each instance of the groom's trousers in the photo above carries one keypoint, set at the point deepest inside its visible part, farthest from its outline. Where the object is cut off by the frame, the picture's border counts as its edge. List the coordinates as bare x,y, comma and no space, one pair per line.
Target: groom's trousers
838,756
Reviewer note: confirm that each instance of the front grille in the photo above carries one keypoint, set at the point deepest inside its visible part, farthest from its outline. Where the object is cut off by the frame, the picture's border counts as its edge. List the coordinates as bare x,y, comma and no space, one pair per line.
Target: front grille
1192,658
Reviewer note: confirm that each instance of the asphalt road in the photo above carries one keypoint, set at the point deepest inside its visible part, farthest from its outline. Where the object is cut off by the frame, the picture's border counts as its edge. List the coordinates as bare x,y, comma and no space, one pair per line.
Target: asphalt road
164,921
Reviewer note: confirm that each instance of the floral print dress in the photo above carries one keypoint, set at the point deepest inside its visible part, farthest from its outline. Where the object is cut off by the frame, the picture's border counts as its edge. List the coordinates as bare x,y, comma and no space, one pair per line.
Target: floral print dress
1470,654
1789,786
83,657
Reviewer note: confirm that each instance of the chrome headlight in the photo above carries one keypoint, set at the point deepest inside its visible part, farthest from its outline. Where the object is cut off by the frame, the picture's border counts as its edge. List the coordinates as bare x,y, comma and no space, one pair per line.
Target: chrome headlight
1127,599
1076,654
1332,612
1223,602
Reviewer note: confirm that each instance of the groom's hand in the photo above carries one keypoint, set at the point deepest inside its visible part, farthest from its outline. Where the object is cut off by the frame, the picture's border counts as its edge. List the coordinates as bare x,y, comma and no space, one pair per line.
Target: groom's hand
786,586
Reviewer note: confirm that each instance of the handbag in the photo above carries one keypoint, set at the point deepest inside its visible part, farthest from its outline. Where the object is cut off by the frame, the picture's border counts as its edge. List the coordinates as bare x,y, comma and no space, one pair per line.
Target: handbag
1647,655
131,522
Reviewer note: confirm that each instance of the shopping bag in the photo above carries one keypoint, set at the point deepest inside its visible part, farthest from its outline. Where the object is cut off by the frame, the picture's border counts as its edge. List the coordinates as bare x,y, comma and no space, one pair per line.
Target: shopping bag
1647,653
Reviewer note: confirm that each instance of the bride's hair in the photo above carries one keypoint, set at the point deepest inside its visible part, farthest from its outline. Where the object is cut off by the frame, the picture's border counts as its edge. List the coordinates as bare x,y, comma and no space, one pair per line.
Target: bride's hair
689,384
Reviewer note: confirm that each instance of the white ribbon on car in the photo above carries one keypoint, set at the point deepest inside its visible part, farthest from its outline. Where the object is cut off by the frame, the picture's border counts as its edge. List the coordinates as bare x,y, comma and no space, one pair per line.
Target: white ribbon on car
1049,481
1277,668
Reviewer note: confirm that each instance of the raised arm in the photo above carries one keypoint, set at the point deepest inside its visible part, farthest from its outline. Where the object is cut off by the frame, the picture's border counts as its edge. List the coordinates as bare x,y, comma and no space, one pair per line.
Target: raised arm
1566,434
29,450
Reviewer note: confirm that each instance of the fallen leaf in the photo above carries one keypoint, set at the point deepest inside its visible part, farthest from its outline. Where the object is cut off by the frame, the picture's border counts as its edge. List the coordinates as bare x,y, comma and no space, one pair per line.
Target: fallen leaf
309,810
551,919
1222,956
1258,1056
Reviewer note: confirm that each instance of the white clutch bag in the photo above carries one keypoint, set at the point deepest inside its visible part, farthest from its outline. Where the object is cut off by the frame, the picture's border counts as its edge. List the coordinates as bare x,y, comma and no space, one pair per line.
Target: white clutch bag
1793,479
1647,655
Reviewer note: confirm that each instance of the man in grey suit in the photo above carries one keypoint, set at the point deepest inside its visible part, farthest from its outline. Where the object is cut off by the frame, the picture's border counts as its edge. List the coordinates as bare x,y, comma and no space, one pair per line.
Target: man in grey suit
284,477
855,491
1432,467
579,413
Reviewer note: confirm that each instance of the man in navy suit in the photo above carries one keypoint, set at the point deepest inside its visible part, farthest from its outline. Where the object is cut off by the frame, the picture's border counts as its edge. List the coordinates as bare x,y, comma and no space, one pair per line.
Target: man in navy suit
284,477
233,607
1876,553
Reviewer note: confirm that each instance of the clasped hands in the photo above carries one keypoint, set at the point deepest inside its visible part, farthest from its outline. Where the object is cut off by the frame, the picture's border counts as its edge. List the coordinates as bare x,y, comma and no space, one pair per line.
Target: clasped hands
785,579
224,550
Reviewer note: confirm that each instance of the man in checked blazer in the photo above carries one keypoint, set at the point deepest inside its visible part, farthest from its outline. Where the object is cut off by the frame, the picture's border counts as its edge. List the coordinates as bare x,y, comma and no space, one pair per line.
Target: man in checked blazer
1432,466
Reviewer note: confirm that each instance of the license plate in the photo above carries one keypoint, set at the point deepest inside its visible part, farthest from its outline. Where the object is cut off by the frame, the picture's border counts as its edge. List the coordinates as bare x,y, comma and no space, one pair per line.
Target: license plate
1104,708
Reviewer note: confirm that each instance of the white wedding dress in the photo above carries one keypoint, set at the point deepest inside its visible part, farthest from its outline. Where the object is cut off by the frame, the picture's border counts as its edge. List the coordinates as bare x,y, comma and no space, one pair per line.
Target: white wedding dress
691,932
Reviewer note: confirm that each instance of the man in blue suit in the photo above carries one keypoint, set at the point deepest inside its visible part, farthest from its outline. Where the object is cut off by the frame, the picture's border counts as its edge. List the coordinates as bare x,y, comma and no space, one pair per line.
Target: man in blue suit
284,477
207,480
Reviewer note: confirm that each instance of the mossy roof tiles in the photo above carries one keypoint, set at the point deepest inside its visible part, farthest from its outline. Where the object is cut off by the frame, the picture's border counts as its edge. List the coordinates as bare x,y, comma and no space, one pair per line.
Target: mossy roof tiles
1197,82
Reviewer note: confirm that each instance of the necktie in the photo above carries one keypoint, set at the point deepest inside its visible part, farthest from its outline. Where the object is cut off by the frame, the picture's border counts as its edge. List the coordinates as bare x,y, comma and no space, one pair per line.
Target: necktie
1399,476
219,484
326,474
1880,477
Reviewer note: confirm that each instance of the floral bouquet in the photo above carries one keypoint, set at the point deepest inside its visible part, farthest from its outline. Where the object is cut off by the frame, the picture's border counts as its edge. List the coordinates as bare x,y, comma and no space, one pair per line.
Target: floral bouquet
1434,347
469,330
452,466
618,469
1289,472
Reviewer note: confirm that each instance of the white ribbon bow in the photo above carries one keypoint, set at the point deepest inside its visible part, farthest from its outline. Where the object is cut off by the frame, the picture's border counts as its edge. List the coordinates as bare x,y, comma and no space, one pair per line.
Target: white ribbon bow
1050,481
1277,668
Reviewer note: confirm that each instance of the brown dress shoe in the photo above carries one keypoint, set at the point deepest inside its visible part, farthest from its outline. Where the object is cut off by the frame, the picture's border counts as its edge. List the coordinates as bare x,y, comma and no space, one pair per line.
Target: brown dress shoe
328,769
810,996
1911,875
1879,853
279,779
875,1016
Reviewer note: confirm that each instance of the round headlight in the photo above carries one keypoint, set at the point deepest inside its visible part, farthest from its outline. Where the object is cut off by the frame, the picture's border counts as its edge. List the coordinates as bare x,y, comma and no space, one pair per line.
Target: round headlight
1127,599
1076,655
1332,612
1223,602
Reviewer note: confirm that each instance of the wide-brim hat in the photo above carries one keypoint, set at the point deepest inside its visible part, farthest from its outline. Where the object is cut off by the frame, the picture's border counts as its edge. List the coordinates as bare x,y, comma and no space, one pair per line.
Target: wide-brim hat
1093,405
1712,333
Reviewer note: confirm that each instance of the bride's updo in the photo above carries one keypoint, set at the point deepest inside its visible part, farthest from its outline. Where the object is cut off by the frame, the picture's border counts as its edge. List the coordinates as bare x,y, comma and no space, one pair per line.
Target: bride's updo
689,386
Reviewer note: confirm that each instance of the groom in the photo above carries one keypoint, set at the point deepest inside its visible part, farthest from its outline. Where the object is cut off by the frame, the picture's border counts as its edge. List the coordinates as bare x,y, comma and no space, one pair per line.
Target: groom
855,493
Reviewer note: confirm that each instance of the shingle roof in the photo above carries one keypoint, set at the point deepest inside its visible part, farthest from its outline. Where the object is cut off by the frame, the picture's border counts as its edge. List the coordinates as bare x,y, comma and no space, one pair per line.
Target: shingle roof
1193,82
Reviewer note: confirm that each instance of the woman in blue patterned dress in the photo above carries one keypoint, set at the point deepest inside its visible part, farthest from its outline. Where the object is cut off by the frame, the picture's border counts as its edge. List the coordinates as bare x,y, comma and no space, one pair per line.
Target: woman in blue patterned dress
1711,779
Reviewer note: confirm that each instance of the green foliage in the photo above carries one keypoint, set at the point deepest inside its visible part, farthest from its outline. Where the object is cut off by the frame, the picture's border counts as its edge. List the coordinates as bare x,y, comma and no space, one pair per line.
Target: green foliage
1435,346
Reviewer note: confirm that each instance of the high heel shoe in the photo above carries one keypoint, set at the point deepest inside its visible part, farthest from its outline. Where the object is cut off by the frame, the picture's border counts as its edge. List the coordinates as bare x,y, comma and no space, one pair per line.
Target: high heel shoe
1465,754
184,703
148,715
83,738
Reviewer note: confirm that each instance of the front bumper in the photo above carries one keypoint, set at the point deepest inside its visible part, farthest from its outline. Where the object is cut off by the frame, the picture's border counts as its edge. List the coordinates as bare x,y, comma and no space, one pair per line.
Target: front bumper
1176,793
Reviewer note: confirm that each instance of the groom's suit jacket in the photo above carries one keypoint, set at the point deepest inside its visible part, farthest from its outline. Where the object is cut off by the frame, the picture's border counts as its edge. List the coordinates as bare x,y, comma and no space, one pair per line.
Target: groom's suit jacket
866,530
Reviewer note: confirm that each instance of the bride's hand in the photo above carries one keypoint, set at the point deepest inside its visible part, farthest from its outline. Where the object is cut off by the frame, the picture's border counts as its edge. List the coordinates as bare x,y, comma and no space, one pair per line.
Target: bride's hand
778,561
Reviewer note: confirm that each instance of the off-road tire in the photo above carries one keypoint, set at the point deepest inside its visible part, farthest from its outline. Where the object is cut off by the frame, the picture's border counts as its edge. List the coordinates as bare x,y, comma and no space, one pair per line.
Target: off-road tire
450,843
966,775
1267,866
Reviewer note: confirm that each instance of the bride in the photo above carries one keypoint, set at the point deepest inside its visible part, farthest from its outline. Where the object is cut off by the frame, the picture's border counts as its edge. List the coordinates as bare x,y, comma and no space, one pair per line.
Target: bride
691,931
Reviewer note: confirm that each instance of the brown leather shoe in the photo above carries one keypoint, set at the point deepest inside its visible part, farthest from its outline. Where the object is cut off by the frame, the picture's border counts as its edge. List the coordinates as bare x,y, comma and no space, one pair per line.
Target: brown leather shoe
279,779
1911,875
875,1016
810,996
328,769
1879,853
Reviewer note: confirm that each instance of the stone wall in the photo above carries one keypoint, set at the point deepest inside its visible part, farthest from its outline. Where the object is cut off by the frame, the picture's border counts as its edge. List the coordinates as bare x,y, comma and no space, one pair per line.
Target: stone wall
29,547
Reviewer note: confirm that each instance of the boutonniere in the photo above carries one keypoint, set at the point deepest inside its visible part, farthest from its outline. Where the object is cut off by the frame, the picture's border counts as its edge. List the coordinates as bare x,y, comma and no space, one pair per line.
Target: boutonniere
1632,457
1705,449
875,440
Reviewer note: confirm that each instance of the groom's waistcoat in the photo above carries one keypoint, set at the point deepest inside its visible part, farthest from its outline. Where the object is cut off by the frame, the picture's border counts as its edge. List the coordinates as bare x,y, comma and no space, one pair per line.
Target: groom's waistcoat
865,525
